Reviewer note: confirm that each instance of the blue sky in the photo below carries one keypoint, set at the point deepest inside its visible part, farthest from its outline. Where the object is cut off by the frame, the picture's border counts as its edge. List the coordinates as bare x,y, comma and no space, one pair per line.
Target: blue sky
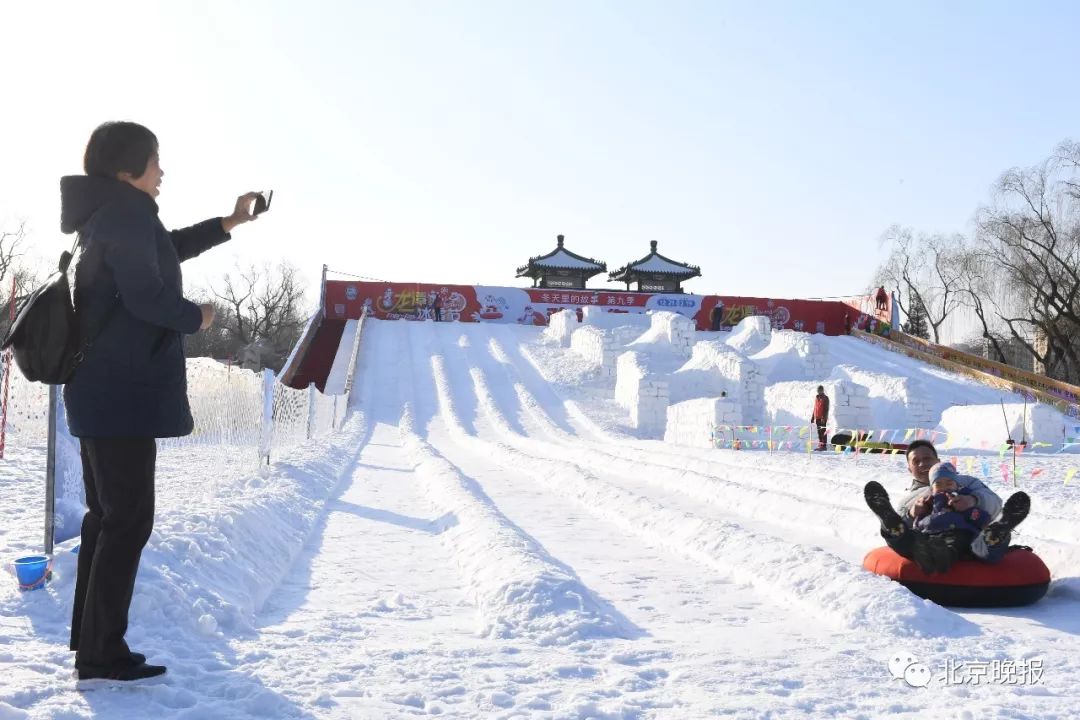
771,143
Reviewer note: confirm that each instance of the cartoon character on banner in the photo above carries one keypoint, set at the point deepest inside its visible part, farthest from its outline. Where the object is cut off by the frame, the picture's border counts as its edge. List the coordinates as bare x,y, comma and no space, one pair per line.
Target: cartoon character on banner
453,304
366,310
387,304
531,317
779,316
491,309
799,325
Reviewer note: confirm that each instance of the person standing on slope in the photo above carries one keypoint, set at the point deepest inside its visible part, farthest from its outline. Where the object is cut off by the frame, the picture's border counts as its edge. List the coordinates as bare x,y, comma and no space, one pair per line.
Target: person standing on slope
820,415
882,299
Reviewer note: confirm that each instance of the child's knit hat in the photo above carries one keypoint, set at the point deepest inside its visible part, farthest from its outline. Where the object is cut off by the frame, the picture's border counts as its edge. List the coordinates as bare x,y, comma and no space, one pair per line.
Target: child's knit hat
943,470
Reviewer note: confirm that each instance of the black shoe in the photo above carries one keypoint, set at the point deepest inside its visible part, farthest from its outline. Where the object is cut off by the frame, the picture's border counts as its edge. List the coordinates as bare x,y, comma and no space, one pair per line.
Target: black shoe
119,673
878,500
1016,509
136,658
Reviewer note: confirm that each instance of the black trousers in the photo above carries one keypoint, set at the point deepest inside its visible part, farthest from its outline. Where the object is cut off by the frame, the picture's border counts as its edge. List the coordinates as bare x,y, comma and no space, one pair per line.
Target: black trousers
118,474
956,542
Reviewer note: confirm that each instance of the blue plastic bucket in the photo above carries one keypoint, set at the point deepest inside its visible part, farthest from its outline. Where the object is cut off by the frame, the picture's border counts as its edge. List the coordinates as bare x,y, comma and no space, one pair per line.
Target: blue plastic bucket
32,571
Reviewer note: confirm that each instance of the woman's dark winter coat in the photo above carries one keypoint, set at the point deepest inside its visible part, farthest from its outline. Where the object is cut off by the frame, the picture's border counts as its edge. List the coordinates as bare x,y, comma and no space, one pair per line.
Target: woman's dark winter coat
132,382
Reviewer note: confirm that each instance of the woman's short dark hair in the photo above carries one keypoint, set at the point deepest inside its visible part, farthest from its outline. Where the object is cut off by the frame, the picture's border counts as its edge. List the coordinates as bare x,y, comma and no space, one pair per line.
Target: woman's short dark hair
116,147
916,444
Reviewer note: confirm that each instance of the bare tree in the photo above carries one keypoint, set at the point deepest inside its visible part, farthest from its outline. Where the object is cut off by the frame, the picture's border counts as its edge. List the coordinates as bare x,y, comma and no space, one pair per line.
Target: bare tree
259,306
976,291
14,265
925,270
1031,234
217,341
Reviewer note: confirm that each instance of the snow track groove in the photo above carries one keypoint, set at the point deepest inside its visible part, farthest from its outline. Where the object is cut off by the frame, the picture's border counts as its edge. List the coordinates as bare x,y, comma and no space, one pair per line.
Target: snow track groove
843,507
519,588
819,583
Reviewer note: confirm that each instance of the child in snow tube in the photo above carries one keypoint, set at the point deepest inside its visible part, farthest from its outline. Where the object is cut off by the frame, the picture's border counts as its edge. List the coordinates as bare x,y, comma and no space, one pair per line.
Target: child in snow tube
939,516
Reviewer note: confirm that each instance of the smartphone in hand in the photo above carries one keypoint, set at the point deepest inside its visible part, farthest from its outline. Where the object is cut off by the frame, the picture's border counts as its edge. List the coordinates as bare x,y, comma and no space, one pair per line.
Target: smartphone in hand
262,202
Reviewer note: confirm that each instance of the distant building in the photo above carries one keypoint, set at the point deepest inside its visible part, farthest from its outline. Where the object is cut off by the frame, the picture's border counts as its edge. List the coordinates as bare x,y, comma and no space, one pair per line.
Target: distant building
1016,355
561,268
656,273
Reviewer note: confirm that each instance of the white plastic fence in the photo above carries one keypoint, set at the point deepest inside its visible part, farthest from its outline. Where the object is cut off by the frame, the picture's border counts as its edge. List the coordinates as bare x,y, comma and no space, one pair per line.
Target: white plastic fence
243,421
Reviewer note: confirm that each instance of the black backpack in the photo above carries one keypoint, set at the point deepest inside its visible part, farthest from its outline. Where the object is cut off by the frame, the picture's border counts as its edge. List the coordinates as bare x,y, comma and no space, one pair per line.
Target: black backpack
45,335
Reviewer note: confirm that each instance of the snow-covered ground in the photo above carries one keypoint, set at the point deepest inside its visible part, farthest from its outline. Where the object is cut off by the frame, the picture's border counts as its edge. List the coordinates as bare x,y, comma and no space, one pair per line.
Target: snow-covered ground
487,538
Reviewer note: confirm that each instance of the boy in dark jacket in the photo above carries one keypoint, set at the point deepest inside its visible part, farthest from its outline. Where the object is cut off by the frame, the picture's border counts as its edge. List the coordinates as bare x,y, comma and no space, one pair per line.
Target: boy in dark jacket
940,516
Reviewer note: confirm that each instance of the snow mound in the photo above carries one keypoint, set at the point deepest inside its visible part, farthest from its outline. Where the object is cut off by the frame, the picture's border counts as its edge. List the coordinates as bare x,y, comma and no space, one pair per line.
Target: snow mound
981,426
603,318
521,591
668,333
751,335
713,368
895,401
792,355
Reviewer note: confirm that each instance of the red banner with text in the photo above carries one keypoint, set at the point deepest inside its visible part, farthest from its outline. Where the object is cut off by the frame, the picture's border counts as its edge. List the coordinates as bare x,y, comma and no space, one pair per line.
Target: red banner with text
533,306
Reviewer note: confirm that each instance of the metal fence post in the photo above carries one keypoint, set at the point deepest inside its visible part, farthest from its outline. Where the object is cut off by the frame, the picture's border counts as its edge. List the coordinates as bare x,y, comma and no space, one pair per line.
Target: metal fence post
266,427
50,473
312,409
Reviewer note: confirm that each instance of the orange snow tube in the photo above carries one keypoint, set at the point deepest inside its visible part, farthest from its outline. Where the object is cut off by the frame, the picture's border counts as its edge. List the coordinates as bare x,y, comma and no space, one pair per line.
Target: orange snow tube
1021,578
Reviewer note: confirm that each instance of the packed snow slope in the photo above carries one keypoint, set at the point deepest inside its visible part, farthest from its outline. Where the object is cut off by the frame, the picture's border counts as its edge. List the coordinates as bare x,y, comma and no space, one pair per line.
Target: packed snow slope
487,538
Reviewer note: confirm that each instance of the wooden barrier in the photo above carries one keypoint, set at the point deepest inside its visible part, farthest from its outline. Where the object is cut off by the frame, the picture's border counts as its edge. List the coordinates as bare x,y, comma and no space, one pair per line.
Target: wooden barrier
1012,381
1063,390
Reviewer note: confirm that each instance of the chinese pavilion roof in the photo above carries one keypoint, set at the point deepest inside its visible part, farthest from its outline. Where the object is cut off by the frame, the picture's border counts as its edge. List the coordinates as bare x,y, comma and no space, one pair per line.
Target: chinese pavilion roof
561,259
655,264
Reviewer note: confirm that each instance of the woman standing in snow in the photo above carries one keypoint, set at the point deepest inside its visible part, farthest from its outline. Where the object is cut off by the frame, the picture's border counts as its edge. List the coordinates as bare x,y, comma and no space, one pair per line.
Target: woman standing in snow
131,386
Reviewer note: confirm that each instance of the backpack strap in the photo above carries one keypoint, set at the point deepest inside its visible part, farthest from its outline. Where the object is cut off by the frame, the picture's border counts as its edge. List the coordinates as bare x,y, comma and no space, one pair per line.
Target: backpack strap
84,347
89,342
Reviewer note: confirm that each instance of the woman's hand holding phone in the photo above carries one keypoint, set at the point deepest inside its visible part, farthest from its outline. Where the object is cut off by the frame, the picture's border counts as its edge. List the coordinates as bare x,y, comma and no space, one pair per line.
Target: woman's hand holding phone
248,207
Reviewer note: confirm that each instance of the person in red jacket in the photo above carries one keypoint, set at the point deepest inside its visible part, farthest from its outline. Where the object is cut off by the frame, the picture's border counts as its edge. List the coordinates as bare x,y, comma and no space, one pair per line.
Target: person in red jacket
882,299
820,415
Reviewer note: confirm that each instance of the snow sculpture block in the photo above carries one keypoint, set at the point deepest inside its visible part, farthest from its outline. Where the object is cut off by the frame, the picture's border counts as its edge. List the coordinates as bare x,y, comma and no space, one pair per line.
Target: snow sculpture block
644,394
667,331
601,348
713,368
751,335
561,326
692,422
790,403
